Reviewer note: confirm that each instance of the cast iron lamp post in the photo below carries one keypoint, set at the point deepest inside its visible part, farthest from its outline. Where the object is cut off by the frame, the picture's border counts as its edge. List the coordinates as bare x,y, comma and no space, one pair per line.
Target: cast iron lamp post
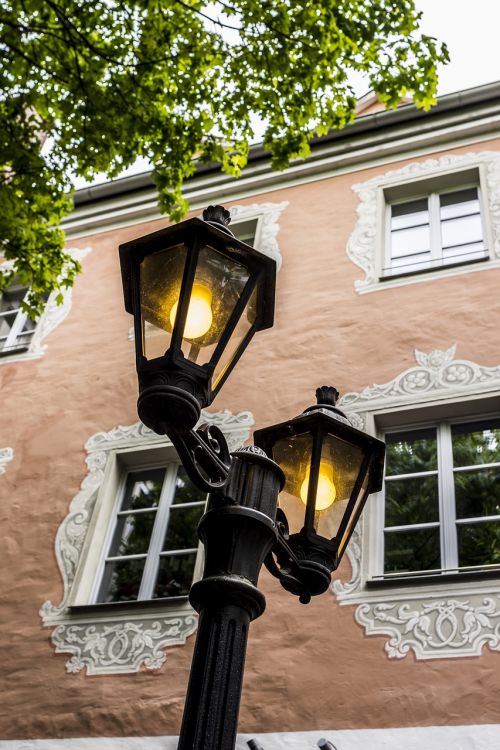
198,295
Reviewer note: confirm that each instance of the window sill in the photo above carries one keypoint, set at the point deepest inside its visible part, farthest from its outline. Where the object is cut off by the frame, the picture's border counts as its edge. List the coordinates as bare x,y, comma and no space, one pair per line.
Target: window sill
432,579
116,608
13,351
434,269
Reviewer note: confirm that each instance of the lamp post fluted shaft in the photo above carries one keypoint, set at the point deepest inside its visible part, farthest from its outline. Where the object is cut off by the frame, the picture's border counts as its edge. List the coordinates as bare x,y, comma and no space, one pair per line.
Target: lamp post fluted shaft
238,532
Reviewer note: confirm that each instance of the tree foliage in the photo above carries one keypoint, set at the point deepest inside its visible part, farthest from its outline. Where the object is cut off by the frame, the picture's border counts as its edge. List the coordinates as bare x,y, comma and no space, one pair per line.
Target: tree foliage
177,81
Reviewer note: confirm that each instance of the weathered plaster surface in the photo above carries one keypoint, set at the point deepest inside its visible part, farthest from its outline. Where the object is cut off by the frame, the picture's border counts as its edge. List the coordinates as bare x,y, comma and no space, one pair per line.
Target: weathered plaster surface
308,667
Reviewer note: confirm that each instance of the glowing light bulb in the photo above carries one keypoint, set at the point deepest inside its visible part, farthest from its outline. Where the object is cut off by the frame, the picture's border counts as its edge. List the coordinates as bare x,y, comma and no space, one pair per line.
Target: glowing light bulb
325,492
199,317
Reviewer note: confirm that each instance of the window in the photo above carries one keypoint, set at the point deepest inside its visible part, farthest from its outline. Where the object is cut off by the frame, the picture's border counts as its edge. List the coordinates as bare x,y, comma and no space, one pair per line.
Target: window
16,329
441,229
128,551
154,544
442,498
429,219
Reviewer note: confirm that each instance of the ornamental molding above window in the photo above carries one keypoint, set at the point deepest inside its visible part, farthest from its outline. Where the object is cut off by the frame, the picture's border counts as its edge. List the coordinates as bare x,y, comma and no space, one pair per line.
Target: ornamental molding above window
364,246
6,455
52,316
268,215
443,620
134,637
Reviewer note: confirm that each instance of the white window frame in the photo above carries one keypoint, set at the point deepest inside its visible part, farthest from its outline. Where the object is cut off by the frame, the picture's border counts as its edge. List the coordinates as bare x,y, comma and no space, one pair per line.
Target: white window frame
367,245
53,315
153,554
447,520
118,637
436,250
446,615
15,331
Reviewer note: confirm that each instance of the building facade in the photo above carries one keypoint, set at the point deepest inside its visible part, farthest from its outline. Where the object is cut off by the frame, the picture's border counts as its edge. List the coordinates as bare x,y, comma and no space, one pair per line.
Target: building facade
387,241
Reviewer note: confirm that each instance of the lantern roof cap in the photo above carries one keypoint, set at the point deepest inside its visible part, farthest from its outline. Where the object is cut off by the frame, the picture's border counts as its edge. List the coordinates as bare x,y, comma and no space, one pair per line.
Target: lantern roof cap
326,399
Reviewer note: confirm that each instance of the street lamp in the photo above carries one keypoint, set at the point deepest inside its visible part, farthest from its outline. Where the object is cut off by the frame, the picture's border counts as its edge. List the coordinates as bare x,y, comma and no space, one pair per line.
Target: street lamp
330,469
198,295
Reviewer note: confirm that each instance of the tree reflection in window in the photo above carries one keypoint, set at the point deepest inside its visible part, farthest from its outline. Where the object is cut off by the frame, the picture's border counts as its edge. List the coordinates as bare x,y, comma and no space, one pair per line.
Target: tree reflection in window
442,497
153,548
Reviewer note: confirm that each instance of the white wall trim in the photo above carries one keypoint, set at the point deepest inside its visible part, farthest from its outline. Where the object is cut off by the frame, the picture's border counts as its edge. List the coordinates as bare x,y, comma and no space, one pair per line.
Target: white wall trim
6,455
130,637
52,316
366,243
442,620
470,737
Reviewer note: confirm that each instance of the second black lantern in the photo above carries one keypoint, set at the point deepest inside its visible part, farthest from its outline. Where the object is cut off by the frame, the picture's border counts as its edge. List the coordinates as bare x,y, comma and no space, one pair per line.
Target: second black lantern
330,469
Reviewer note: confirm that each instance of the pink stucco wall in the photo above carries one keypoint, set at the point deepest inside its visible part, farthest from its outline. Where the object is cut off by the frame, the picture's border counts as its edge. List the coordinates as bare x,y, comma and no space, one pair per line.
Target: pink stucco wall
308,667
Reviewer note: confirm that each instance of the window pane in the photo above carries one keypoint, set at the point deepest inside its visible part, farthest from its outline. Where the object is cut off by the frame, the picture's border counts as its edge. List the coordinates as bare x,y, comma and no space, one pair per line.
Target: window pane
185,490
13,296
464,253
409,242
411,551
411,501
182,526
132,534
461,231
6,322
121,581
477,493
459,203
143,489
409,214
476,443
479,543
175,575
411,452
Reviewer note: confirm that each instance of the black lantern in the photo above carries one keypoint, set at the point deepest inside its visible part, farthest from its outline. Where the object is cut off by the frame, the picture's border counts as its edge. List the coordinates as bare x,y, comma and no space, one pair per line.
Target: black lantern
330,469
197,295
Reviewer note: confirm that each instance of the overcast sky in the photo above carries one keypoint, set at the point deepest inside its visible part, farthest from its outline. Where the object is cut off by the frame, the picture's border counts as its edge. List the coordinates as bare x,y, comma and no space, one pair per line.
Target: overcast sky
471,31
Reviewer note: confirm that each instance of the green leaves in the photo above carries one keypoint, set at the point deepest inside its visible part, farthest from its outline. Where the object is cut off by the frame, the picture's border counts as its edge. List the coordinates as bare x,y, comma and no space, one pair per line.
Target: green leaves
177,81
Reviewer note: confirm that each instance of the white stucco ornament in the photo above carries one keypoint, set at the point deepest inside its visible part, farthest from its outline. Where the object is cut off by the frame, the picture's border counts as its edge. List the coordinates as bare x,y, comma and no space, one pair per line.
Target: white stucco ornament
105,641
6,455
439,620
365,245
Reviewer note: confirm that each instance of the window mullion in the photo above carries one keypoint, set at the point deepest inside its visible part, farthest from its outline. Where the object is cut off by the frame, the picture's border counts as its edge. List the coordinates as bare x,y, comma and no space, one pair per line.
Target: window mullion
447,512
158,534
387,259
435,227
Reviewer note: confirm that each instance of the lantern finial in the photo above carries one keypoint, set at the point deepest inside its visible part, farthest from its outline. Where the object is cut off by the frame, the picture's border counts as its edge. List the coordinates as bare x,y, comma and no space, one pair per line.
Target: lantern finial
327,395
217,216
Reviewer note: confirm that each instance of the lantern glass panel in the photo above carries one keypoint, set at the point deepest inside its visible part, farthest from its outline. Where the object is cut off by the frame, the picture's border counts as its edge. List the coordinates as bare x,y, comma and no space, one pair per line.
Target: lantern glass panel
339,469
217,287
339,466
160,284
354,515
243,327
293,454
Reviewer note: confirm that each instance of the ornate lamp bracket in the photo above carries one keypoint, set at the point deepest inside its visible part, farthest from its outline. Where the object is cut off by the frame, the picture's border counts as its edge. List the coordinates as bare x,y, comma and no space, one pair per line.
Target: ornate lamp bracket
283,564
205,456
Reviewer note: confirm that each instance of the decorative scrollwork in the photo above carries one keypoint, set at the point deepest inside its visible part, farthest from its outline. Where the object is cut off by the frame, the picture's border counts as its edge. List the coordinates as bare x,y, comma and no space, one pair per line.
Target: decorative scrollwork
282,563
205,456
